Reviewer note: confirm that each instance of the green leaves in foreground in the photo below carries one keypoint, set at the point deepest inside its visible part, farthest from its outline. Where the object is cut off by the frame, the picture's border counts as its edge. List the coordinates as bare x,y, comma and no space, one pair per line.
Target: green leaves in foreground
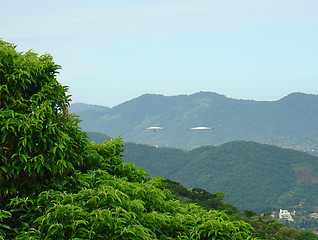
38,138
115,201
114,208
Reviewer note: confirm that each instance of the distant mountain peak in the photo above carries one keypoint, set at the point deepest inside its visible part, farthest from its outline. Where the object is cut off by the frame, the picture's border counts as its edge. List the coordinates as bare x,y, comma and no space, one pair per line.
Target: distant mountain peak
299,94
297,97
77,107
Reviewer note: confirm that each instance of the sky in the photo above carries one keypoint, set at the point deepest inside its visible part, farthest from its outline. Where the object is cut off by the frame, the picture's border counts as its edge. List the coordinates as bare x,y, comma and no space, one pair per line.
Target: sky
114,51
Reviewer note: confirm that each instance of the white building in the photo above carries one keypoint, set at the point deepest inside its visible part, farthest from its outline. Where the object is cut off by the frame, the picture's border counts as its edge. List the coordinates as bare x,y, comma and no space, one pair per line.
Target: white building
285,215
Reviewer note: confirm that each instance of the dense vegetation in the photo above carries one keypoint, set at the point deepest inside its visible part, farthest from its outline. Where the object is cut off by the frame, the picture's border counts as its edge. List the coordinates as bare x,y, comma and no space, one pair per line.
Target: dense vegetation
256,176
264,227
289,122
201,197
54,184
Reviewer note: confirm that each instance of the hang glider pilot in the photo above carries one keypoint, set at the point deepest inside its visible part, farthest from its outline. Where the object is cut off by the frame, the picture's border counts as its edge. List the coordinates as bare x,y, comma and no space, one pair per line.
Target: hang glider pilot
154,128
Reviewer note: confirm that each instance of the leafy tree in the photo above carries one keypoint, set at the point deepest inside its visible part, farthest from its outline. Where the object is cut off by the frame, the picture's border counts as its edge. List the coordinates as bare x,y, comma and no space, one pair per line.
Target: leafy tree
286,233
263,227
38,138
210,201
116,201
306,236
62,187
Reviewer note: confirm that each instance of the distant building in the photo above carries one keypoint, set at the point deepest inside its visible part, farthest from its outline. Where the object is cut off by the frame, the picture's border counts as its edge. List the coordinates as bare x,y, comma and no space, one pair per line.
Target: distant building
314,215
285,215
273,214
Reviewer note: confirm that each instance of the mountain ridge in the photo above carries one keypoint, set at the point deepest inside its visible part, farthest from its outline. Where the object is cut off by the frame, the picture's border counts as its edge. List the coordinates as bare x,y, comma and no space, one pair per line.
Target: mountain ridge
145,95
288,122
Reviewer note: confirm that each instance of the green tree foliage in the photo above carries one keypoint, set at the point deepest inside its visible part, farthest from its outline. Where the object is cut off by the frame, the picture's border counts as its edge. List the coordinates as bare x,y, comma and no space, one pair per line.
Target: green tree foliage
38,138
256,176
266,228
306,236
116,201
263,226
62,187
286,233
210,201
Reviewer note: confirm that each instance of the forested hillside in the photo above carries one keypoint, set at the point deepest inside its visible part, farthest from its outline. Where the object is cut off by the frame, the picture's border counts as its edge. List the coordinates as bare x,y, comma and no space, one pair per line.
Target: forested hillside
256,176
265,227
289,122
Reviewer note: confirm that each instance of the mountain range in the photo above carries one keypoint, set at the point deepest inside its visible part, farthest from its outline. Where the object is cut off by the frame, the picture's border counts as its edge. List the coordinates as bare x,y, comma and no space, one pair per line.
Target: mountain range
291,121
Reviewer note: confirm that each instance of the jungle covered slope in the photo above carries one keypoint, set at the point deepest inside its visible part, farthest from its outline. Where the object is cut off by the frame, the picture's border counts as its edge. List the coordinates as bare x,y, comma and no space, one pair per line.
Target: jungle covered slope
56,185
256,176
264,226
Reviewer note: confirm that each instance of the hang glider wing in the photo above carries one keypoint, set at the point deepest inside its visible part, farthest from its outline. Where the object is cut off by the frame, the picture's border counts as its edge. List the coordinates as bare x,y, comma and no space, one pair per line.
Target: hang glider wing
201,128
155,128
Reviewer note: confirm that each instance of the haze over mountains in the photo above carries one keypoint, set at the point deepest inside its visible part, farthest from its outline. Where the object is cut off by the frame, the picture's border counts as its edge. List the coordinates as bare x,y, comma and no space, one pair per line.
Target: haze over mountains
290,122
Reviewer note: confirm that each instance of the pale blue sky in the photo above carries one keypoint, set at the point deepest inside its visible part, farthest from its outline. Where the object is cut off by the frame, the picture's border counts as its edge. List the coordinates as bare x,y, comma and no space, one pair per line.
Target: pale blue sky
113,51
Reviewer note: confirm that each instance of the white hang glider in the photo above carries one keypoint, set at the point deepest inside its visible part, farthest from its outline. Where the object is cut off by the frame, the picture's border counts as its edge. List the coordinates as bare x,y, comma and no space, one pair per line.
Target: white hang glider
201,128
154,128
